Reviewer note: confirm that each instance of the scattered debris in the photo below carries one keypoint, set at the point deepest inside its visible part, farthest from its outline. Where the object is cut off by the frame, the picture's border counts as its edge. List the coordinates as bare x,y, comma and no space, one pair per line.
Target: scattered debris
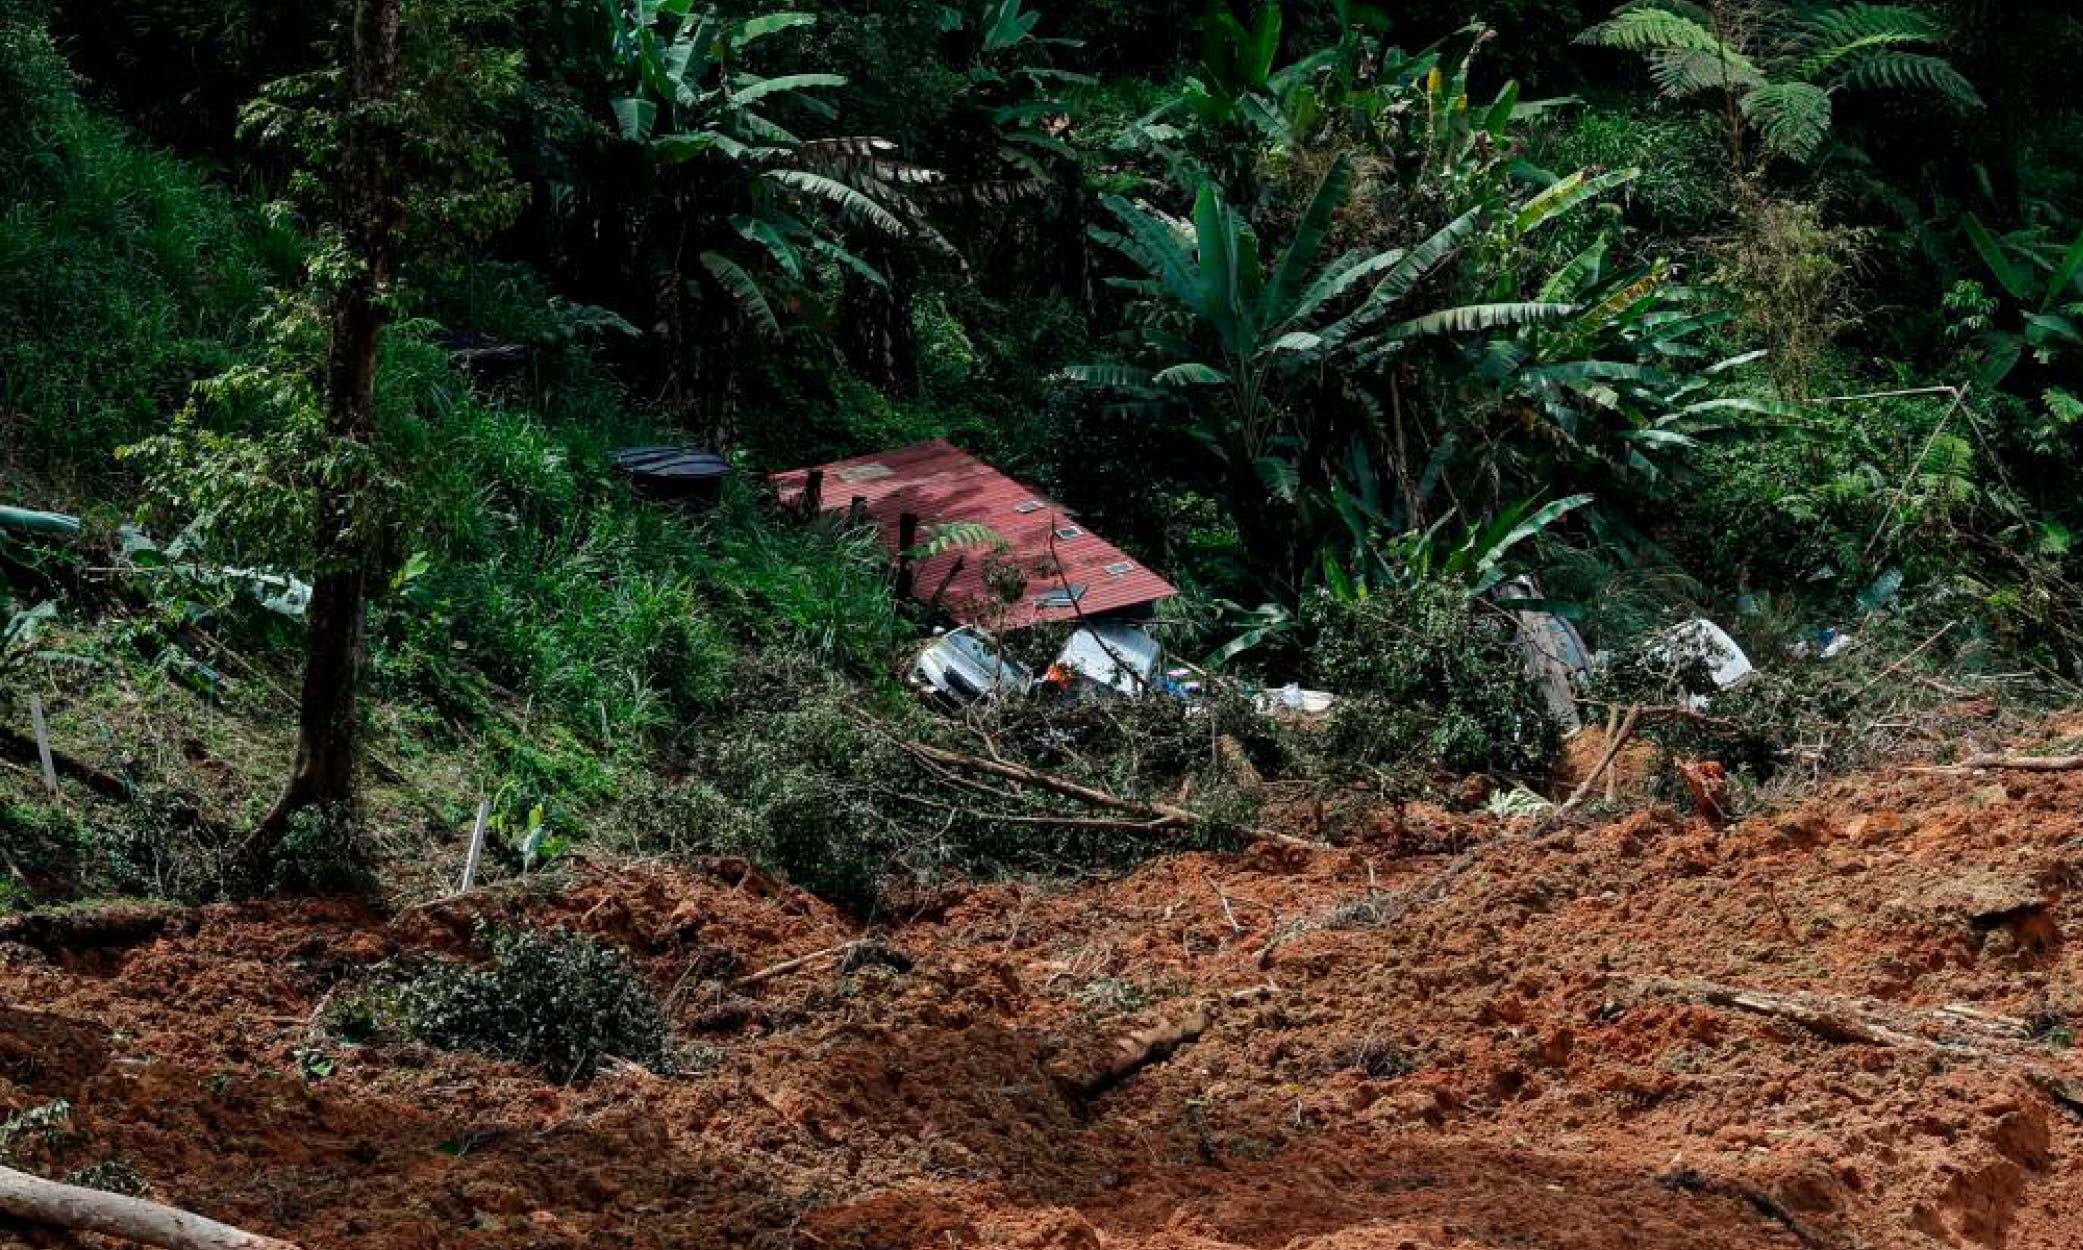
1293,701
1557,661
964,666
1108,658
1701,641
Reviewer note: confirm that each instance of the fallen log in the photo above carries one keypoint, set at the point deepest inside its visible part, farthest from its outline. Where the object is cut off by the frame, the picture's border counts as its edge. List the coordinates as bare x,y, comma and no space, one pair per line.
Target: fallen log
1969,1035
787,966
75,1209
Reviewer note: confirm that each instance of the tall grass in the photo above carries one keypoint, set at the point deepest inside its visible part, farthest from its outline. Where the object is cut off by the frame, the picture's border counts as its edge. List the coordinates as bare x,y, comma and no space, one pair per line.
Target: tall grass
125,275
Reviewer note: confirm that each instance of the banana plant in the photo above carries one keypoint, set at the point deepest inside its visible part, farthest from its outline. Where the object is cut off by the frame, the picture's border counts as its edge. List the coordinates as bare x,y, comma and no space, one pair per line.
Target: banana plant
691,98
1226,330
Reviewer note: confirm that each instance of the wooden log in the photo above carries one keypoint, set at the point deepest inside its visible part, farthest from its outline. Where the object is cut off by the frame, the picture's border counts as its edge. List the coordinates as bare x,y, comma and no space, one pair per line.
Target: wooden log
76,1209
787,966
1132,1052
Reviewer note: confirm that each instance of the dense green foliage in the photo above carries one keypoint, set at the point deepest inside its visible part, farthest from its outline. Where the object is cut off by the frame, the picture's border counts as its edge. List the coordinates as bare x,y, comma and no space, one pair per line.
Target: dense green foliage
1338,314
555,1000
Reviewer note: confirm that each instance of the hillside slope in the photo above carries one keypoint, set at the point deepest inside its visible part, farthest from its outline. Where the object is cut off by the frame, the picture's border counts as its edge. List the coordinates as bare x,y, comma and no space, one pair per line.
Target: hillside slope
1524,1050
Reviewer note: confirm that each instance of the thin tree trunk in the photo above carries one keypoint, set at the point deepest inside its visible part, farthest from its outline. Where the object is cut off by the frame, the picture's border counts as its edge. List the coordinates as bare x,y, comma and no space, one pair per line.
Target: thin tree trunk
323,774
39,1201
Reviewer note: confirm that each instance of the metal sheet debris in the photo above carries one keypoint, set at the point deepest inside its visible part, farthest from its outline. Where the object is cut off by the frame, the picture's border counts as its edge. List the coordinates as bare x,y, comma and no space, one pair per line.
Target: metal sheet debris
964,666
1109,658
1702,641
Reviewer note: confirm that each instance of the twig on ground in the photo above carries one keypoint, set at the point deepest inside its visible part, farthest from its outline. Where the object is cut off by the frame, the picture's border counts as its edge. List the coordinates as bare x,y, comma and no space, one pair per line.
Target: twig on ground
787,966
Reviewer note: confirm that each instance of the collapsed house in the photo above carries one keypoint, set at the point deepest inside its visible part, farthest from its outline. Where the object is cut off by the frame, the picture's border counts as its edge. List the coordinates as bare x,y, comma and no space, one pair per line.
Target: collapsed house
995,556
1038,564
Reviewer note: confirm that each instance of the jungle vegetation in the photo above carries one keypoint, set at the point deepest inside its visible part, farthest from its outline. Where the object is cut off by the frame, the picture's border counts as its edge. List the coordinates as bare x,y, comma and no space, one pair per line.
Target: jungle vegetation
1343,315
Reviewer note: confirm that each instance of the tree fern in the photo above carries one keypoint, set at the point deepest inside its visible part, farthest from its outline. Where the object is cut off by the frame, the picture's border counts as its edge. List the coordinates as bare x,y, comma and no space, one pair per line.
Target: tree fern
1784,84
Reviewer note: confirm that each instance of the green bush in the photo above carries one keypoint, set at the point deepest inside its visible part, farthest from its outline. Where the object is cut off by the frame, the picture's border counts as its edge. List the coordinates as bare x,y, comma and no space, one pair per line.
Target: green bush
1427,677
558,1001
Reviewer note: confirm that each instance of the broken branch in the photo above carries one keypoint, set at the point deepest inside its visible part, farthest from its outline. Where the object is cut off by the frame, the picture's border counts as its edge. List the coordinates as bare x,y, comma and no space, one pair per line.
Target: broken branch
2016,763
1132,1052
787,966
76,1209
1154,815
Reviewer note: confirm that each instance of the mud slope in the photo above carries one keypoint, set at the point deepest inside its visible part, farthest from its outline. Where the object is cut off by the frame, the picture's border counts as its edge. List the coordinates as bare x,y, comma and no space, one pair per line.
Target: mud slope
1573,1045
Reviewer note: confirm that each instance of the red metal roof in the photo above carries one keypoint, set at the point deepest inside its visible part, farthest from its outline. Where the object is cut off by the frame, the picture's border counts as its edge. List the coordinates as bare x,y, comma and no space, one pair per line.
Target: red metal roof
942,484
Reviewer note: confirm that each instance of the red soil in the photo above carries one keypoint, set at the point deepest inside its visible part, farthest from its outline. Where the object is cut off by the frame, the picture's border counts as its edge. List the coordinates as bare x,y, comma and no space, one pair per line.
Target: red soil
1507,1066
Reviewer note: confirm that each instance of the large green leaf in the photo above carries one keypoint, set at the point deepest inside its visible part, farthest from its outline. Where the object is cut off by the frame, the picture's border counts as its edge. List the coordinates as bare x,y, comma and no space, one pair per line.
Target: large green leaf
744,290
2009,274
1474,318
1411,269
1285,291
635,116
766,24
761,88
1157,250
851,202
1566,195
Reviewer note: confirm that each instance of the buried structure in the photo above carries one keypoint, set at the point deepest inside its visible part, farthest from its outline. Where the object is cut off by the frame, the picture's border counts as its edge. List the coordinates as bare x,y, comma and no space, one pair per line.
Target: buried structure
995,555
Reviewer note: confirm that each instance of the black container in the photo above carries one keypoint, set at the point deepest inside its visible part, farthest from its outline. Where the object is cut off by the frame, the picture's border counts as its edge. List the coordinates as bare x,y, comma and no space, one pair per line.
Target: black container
690,476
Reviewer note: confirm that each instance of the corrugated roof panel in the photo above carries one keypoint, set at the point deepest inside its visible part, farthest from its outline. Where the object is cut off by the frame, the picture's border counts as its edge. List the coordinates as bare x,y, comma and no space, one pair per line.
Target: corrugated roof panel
942,484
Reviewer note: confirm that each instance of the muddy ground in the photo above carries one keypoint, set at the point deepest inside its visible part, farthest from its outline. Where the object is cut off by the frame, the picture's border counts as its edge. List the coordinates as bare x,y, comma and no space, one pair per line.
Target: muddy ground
1394,1044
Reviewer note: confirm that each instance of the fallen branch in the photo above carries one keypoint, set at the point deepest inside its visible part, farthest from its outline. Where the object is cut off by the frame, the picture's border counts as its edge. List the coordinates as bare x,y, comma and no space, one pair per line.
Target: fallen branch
1692,1181
2012,763
1153,815
1616,742
1966,1033
70,1207
787,966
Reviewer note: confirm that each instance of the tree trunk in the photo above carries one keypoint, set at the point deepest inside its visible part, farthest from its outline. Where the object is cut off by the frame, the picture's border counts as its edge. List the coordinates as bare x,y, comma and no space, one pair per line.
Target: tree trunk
323,775
39,1201
875,328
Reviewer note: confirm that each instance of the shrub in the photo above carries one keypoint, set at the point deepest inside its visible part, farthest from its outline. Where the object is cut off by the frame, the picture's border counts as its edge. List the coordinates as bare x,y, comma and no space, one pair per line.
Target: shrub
1427,675
555,1000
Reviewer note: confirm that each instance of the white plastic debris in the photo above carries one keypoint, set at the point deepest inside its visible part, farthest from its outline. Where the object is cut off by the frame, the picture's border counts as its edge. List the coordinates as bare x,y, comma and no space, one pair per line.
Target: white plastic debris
1703,641
1292,700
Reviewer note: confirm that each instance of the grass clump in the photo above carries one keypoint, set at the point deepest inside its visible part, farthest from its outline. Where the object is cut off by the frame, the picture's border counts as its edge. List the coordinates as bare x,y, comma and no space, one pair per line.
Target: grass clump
556,1001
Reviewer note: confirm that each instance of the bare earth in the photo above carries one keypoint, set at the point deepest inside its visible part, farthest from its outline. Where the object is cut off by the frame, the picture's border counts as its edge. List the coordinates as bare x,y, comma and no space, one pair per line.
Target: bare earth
1553,1052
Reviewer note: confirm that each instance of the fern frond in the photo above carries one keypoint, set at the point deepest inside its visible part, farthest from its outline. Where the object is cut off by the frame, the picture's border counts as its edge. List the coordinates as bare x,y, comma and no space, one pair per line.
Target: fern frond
1653,28
1833,36
1681,72
1911,71
1794,117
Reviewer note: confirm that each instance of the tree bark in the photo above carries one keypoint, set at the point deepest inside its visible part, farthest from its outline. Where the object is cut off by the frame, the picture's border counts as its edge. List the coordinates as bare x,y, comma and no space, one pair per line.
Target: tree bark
38,1201
323,774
